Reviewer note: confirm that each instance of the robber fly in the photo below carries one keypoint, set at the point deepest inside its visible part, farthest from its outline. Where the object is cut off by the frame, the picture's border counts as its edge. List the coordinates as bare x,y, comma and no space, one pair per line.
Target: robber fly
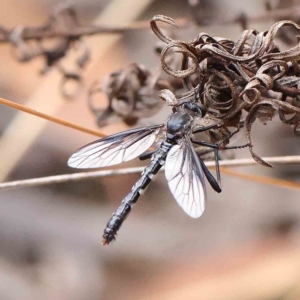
184,170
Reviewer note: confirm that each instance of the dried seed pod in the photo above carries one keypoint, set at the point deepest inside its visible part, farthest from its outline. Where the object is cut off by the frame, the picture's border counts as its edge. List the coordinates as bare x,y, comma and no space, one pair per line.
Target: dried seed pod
132,93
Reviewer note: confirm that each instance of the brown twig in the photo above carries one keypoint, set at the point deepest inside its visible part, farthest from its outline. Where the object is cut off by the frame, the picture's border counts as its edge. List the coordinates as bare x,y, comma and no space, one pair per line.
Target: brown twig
49,118
261,179
103,173
125,171
47,99
40,33
275,14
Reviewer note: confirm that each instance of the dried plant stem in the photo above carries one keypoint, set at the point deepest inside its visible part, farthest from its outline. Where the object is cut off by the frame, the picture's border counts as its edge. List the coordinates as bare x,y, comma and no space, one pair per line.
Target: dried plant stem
125,171
40,33
261,179
49,118
282,13
23,130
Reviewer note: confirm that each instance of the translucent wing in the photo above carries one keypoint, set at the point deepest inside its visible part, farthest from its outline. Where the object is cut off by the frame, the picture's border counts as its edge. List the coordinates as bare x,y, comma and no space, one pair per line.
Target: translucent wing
114,149
185,178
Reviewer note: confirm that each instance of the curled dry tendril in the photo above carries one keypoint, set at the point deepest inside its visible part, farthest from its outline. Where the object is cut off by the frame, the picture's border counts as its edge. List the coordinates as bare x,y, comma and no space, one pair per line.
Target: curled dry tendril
252,75
131,93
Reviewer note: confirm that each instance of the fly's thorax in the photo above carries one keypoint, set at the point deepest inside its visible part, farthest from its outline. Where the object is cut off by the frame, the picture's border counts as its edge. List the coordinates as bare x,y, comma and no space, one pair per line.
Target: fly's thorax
178,125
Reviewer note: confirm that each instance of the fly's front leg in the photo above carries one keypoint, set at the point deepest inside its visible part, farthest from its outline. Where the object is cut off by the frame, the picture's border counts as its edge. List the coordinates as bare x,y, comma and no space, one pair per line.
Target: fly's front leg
216,146
235,147
202,129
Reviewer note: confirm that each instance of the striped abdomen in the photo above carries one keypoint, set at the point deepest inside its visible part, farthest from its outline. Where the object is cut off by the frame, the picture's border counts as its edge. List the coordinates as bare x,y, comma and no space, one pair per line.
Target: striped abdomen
115,222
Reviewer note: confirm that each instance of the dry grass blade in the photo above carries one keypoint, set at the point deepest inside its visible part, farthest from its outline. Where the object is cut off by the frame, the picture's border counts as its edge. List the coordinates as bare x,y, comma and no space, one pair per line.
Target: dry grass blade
261,179
49,118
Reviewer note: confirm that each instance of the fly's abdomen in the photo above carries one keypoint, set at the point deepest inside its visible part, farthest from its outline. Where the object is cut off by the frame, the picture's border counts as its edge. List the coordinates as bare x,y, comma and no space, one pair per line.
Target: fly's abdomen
139,187
115,223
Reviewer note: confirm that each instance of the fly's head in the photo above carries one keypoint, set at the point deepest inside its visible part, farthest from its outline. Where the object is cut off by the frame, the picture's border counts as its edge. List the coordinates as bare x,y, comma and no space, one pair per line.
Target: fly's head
178,125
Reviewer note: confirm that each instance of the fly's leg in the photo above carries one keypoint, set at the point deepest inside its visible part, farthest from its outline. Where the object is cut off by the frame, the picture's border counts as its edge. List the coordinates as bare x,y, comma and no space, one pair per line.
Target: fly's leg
216,148
215,185
214,126
202,129
147,155
216,151
210,178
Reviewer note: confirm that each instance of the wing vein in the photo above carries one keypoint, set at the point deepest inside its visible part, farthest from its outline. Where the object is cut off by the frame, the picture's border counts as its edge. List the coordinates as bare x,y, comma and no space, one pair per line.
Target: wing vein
185,178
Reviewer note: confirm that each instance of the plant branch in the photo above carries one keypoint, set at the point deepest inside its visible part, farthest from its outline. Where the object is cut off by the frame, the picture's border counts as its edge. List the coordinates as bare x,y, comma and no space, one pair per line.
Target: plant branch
37,33
261,179
281,160
49,118
281,13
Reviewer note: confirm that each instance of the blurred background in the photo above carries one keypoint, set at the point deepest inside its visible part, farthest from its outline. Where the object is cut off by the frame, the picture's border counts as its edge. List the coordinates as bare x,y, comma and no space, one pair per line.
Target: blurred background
245,246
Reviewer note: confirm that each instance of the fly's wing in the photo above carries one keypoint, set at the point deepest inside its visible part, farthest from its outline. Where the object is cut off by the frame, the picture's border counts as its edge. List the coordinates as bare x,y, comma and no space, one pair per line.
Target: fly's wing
185,178
114,149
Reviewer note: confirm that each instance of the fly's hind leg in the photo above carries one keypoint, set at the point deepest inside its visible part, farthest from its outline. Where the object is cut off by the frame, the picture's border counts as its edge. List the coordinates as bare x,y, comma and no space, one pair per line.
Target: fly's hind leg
212,181
216,148
147,155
